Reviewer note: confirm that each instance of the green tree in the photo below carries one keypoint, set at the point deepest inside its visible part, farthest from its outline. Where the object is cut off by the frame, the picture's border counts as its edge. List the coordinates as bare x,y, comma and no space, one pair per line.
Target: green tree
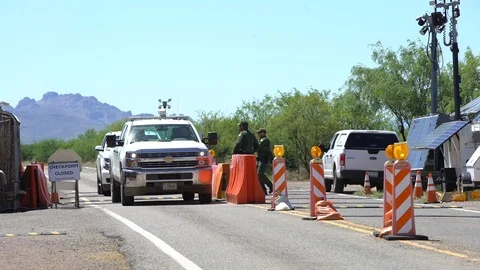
399,84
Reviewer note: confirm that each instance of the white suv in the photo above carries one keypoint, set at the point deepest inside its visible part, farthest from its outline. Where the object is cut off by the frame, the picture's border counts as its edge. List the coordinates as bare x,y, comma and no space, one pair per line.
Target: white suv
103,165
351,153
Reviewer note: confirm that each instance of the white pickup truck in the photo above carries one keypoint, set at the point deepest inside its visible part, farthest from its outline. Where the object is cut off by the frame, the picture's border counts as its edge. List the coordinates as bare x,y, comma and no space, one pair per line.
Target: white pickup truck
351,153
103,165
161,155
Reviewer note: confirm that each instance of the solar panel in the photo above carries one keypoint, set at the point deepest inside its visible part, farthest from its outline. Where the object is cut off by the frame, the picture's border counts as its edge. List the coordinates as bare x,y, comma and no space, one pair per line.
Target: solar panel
471,107
441,135
477,118
419,130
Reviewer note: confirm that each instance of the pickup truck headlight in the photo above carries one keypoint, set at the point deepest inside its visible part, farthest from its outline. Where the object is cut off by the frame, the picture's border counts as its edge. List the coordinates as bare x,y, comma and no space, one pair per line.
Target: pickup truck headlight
131,160
106,163
131,163
130,155
204,161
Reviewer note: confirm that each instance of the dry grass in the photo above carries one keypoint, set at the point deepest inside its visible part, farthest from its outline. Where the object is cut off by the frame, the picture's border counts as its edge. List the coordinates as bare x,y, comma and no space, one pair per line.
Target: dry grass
375,194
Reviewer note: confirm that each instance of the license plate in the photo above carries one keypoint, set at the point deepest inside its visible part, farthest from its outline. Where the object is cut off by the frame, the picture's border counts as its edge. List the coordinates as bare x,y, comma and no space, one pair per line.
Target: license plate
373,174
169,186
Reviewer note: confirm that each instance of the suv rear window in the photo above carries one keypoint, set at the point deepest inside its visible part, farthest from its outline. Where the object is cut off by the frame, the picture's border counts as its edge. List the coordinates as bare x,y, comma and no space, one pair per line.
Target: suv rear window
370,140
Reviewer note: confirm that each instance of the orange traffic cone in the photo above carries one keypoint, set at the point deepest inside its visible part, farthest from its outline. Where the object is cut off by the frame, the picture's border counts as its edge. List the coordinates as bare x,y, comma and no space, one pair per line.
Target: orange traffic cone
431,193
366,184
418,191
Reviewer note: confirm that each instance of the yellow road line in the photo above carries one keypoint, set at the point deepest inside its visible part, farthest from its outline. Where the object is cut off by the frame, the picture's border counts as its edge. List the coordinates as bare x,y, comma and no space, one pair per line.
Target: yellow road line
451,253
56,233
368,230
33,234
9,235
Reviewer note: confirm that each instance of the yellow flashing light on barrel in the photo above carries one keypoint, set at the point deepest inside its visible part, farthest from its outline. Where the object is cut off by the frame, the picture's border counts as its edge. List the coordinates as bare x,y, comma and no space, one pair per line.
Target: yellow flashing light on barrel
389,152
212,153
278,151
316,152
400,150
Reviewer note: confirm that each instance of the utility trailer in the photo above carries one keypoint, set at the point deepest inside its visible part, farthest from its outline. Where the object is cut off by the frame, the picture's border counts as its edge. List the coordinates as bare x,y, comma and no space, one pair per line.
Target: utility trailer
9,161
446,148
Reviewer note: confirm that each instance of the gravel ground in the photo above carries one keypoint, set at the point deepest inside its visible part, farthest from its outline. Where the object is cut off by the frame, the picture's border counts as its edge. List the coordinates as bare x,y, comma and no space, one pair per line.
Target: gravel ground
82,247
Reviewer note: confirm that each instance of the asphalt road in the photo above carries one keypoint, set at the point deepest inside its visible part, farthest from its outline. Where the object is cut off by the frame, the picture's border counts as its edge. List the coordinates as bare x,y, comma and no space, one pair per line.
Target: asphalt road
166,233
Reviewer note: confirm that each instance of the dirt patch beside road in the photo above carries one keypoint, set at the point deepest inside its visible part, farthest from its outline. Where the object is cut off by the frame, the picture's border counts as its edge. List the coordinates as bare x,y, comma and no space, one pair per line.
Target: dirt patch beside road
85,245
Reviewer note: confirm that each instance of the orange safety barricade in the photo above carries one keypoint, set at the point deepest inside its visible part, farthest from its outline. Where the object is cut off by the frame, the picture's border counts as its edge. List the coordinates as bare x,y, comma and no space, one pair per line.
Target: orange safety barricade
403,216
243,185
317,184
37,195
220,180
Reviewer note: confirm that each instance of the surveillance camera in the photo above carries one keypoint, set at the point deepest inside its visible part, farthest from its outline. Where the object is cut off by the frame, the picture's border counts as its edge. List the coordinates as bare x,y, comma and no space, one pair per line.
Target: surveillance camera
440,29
424,30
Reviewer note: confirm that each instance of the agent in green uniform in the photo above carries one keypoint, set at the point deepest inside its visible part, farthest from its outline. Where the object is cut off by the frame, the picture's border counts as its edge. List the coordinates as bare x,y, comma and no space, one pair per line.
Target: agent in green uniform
246,142
264,158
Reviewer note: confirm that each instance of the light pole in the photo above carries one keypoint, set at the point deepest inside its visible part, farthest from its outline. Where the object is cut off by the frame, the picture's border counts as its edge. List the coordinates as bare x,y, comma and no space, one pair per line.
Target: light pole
427,23
453,47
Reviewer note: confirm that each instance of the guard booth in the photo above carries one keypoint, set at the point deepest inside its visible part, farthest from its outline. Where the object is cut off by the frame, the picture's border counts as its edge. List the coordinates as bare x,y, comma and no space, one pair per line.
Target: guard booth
10,161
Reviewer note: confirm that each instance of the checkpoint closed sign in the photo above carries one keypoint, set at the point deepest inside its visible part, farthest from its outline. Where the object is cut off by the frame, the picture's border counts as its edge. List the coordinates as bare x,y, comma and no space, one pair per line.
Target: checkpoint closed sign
64,171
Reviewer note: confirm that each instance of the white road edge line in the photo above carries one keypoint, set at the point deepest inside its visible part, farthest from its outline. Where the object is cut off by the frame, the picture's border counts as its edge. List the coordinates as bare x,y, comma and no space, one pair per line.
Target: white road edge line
466,210
164,247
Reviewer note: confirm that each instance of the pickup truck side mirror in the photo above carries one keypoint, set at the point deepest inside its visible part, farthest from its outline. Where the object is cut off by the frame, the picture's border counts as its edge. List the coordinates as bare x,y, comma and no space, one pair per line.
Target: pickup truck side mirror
212,139
98,148
111,140
323,148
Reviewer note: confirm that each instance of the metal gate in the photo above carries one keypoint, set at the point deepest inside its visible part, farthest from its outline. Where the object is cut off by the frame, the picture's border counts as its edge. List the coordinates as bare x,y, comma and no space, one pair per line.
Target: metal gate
9,158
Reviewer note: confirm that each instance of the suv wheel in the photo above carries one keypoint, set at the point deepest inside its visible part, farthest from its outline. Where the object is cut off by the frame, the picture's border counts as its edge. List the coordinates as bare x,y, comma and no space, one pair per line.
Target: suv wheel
205,198
188,196
115,190
338,184
126,200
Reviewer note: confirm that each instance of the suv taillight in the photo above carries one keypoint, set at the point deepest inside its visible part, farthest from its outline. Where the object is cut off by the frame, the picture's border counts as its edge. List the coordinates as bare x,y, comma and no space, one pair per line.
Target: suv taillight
342,159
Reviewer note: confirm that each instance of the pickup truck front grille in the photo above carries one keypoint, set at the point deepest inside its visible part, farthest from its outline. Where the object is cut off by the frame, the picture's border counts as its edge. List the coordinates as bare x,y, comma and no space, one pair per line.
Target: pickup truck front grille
162,155
163,164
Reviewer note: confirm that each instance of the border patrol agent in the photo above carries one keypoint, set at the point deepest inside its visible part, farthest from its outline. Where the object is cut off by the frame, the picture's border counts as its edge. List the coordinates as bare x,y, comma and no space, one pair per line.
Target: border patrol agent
246,142
264,158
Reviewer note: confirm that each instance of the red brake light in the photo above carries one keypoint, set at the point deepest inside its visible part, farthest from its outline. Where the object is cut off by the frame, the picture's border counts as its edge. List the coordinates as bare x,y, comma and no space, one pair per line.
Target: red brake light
342,159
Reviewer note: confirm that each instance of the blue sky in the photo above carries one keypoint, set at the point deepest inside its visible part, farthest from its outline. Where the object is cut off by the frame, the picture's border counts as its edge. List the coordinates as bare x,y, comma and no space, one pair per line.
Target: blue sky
204,55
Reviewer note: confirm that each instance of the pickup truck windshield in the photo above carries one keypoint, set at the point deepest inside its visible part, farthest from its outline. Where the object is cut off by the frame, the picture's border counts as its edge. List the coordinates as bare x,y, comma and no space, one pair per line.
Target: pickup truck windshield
162,133
370,141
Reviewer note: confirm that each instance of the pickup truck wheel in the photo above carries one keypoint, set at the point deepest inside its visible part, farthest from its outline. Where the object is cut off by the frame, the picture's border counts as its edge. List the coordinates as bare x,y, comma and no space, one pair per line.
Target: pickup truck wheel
99,186
115,190
188,196
379,187
338,184
205,198
328,185
126,200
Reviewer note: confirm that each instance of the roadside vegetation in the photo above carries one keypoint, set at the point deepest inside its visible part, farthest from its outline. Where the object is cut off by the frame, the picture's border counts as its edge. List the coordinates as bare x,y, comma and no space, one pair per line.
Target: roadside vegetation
387,95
